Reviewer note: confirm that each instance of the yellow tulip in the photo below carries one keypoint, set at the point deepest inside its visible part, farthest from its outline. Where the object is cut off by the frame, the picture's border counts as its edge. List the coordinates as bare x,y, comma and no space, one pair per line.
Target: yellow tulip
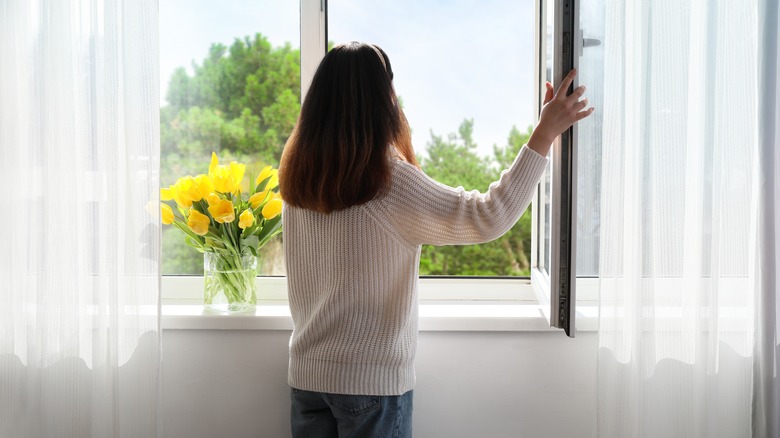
257,199
198,222
274,181
213,198
272,209
222,179
205,186
227,179
166,212
214,162
221,176
237,172
166,194
185,191
222,211
246,219
173,191
190,187
265,173
181,199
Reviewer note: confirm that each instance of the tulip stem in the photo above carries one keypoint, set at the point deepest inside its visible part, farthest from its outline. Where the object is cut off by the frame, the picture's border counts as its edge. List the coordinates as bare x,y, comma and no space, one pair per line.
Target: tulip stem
227,273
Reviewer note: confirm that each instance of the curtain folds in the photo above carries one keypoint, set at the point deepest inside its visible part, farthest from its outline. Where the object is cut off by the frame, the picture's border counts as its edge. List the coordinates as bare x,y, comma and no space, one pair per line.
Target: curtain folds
680,215
79,269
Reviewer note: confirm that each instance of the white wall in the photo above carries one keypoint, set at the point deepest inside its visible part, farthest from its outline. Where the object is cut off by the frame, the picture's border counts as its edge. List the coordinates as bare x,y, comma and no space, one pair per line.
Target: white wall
233,383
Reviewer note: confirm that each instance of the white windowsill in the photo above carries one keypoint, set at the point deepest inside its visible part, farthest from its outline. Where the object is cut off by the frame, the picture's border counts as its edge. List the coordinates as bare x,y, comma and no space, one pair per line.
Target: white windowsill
440,316
445,305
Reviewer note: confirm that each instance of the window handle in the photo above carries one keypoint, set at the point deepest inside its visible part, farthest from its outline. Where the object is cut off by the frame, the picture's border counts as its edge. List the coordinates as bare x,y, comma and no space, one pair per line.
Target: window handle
590,42
586,42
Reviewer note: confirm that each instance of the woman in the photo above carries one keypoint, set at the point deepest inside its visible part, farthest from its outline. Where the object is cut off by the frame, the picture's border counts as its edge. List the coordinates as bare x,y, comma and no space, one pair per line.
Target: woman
357,210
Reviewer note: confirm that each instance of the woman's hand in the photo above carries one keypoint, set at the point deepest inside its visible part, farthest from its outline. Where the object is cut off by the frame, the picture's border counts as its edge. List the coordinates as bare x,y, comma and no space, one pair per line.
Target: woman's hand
558,114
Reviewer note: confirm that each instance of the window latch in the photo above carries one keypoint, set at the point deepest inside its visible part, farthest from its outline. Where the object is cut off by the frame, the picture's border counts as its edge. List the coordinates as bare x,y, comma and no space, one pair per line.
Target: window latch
590,42
586,42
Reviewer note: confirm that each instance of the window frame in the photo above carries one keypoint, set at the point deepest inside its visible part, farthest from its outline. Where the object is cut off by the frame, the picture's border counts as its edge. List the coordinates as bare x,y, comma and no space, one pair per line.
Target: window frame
314,39
556,288
188,289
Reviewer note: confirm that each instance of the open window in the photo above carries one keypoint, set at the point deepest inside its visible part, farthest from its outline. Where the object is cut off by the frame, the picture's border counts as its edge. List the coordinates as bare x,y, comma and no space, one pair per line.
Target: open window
464,74
568,31
499,41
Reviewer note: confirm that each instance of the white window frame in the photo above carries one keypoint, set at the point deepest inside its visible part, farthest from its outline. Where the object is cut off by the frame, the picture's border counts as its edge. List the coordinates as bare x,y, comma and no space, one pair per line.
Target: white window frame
187,289
556,289
540,281
314,39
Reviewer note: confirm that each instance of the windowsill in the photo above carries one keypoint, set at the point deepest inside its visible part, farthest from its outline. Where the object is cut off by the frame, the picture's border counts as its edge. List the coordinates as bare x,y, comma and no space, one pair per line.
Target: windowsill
509,316
446,304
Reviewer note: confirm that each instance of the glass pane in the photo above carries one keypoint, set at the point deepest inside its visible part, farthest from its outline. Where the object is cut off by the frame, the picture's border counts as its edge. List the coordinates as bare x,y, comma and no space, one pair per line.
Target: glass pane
465,77
230,83
588,142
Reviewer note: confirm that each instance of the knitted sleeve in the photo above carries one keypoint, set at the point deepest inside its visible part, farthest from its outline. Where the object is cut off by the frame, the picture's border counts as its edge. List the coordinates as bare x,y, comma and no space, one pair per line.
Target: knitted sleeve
424,211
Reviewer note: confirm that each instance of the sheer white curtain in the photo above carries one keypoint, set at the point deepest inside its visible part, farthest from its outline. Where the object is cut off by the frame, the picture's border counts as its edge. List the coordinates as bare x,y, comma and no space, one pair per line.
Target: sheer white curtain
679,218
79,265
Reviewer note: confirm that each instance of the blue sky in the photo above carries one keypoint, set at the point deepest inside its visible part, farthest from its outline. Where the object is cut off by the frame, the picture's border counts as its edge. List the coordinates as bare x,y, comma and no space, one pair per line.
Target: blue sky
452,59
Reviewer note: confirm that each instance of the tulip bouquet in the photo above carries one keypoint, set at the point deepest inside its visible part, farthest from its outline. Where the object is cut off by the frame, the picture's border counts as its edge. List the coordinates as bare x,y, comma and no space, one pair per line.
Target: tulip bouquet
227,226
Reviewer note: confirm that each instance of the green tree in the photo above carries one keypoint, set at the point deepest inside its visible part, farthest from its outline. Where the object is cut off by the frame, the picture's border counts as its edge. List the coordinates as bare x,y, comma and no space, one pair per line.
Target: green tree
244,98
517,242
455,162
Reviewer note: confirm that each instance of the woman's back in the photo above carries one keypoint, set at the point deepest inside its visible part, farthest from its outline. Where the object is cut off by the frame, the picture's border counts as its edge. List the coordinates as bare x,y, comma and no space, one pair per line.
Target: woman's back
357,210
354,332
352,281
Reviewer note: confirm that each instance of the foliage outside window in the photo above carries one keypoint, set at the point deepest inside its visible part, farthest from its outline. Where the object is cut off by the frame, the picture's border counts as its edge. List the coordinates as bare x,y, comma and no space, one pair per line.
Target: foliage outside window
243,100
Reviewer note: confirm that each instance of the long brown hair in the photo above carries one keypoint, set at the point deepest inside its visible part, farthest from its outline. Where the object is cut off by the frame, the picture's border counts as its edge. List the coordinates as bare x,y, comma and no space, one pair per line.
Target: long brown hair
338,154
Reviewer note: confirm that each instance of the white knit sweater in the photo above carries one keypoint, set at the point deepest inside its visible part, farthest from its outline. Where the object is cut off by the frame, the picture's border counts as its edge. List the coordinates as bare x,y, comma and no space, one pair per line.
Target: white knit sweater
353,273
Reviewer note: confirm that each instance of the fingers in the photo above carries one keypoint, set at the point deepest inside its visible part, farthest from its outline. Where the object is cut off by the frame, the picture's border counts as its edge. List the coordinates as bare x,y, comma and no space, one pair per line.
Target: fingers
582,114
566,83
549,94
561,111
578,92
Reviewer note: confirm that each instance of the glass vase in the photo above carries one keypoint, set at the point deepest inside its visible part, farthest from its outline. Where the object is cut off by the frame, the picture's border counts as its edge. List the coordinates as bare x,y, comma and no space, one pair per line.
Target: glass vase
229,283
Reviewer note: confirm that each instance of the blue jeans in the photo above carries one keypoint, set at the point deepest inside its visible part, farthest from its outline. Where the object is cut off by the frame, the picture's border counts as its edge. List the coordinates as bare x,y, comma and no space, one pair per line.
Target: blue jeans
319,414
